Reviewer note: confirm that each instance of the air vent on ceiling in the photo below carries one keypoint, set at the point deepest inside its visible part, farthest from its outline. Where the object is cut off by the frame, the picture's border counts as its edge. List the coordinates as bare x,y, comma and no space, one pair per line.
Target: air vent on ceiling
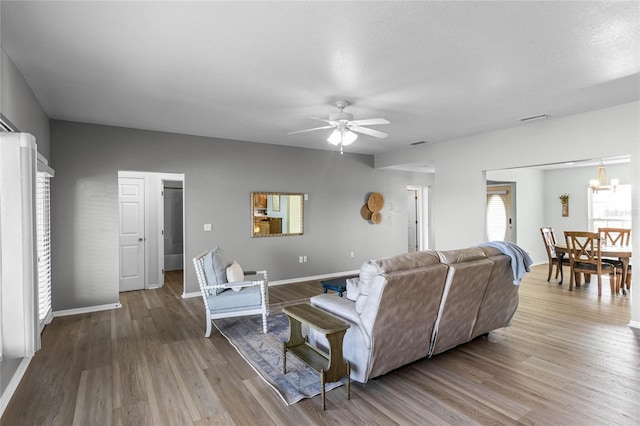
417,143
534,117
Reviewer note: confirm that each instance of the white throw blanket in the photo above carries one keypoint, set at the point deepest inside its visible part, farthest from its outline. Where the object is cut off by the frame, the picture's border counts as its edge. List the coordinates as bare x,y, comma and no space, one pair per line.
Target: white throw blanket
520,259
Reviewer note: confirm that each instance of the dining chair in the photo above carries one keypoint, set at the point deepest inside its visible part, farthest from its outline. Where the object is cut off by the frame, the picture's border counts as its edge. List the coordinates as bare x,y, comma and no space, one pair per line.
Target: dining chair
228,291
584,254
617,237
549,239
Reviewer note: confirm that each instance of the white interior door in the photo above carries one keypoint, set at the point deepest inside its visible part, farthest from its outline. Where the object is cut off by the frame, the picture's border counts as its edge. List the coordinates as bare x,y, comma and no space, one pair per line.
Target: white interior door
132,235
412,220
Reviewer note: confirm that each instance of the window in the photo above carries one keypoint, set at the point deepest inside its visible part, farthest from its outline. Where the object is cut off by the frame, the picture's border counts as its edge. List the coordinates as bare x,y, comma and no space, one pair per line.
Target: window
43,236
611,209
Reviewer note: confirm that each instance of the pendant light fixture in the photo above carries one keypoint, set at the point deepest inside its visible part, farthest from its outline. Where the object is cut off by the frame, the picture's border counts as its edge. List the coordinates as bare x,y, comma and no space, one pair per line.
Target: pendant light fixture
602,182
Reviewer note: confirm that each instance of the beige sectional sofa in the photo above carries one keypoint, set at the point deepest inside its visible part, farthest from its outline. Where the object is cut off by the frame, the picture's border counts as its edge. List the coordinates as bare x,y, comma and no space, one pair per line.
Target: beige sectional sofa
415,305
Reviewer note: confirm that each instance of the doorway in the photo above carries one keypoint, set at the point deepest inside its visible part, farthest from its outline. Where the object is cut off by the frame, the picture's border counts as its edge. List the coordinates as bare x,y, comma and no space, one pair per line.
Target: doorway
417,219
145,260
500,225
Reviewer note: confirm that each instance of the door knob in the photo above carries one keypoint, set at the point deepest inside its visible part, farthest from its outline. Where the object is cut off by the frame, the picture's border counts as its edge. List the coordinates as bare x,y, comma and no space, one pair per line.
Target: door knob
140,239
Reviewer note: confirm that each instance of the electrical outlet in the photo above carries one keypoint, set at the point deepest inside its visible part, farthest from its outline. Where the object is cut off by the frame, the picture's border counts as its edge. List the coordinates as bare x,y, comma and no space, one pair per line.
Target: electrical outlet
301,259
305,259
207,227
353,254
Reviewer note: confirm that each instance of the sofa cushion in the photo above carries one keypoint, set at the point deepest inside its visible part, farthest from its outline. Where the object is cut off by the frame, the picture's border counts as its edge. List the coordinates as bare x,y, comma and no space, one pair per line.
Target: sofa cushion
220,265
407,261
248,298
353,288
462,255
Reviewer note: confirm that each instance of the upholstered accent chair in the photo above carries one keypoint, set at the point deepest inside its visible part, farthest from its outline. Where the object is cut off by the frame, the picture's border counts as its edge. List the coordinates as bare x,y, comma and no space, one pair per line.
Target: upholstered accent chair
228,291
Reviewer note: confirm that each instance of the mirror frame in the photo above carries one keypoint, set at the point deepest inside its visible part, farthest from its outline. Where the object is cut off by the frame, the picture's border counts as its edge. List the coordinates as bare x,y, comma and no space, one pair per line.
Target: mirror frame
255,234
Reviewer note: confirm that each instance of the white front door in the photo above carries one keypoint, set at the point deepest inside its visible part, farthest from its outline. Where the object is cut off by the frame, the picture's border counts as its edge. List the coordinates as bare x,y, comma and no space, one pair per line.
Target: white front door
132,236
499,214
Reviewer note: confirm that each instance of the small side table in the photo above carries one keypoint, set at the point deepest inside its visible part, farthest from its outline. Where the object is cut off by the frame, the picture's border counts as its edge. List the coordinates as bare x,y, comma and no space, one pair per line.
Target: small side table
331,366
336,284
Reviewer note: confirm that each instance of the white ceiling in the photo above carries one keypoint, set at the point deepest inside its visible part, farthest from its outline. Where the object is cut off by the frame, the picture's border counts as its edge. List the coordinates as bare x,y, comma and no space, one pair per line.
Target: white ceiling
257,70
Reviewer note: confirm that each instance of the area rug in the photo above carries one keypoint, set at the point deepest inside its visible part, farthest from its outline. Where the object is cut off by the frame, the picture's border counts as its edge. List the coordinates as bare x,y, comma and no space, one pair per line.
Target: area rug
264,353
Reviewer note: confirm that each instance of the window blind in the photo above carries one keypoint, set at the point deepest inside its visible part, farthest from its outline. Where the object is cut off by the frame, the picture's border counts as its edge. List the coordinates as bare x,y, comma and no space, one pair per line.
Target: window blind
43,235
496,217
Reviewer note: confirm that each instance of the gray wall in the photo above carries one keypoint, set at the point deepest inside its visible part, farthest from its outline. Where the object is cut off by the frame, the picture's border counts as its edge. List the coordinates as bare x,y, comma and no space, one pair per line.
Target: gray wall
20,106
219,176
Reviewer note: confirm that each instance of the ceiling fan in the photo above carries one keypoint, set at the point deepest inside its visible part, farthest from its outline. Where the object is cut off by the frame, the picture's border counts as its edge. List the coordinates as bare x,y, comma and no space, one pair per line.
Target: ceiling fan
344,126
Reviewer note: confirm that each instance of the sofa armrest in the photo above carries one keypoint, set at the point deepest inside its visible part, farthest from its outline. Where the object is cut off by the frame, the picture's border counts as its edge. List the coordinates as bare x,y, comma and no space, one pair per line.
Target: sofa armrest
343,308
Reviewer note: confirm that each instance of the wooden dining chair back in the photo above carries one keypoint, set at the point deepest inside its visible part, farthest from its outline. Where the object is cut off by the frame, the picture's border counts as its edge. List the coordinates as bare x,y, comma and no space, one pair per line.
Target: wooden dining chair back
618,237
615,236
584,255
549,239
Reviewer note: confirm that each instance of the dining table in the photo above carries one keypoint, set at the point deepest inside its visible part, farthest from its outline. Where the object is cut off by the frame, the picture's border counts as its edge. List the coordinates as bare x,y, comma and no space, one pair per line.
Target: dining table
622,252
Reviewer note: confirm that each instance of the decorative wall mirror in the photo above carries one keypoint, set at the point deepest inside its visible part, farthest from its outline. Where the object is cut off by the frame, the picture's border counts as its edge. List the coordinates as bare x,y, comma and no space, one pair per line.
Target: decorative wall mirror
276,214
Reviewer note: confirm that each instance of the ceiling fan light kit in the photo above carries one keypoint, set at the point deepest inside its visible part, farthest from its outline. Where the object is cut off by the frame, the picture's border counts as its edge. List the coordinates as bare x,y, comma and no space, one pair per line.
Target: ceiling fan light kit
345,127
342,137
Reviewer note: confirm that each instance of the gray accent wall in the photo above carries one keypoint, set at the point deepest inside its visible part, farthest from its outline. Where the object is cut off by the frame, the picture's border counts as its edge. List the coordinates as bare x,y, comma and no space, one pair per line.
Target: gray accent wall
219,177
20,106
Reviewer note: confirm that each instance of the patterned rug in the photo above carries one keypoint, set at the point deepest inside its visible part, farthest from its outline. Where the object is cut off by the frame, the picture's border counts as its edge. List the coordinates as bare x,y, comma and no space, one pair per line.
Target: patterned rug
264,353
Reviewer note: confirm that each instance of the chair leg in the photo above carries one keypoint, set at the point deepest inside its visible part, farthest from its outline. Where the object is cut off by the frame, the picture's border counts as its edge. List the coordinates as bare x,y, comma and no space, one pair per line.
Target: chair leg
572,277
600,285
264,322
551,270
615,288
208,332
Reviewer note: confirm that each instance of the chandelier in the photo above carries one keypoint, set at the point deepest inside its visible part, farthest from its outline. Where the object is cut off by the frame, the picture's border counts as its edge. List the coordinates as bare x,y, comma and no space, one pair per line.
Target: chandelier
602,183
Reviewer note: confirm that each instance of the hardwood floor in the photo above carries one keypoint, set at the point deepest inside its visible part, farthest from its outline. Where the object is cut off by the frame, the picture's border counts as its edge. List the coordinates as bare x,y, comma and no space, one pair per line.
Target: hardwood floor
569,358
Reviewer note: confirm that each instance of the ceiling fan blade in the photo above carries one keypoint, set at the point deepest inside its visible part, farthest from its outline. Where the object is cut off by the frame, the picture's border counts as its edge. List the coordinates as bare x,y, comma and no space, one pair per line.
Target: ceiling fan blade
333,123
371,121
310,130
369,132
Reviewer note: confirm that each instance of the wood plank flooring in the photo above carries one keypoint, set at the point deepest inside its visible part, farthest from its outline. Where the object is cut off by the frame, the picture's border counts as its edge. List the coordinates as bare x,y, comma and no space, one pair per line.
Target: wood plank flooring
568,359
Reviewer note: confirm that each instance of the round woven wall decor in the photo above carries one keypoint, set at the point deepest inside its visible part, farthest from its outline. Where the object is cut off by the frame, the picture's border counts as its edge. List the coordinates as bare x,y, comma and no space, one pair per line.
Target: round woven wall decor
376,202
376,217
365,212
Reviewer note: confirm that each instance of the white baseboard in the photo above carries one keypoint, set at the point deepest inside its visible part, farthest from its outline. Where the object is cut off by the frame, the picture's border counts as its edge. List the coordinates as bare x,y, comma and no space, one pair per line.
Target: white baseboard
314,277
634,324
13,384
87,310
289,281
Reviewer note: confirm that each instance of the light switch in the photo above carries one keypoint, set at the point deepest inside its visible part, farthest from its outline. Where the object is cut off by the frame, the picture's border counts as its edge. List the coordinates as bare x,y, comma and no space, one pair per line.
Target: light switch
207,227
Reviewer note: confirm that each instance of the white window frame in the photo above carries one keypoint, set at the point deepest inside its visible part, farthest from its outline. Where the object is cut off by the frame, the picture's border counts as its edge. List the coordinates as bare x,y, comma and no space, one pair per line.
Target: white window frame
43,240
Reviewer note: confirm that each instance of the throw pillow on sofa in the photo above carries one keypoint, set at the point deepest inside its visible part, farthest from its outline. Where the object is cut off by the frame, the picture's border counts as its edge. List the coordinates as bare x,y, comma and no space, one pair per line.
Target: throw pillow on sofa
368,272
